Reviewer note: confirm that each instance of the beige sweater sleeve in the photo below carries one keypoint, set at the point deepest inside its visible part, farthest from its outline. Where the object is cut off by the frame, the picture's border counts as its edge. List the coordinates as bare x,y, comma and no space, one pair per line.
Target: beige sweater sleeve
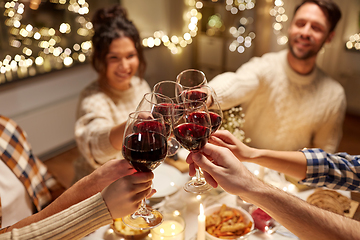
73,223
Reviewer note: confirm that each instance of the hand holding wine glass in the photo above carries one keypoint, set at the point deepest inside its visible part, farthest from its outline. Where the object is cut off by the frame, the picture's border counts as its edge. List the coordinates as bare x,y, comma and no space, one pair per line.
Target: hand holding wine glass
155,102
145,148
207,95
192,128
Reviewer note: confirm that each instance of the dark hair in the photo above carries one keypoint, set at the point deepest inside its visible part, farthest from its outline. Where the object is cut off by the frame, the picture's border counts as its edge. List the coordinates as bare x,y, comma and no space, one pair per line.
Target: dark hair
109,24
329,8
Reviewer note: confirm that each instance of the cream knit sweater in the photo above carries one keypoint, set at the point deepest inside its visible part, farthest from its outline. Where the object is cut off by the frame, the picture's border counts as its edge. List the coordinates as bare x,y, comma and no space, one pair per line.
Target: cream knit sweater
98,112
73,223
283,109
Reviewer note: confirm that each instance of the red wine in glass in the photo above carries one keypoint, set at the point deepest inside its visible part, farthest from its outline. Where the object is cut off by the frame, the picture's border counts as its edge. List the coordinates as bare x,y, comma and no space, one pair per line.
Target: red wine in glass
151,126
196,95
191,136
164,109
215,121
145,150
192,130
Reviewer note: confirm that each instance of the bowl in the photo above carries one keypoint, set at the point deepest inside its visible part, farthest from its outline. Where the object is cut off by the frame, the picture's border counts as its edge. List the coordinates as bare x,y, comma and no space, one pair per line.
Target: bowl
214,210
126,232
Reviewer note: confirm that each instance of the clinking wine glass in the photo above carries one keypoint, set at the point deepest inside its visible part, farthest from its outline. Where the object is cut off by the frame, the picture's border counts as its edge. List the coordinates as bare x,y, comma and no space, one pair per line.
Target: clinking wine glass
145,148
192,128
172,90
191,78
207,95
156,102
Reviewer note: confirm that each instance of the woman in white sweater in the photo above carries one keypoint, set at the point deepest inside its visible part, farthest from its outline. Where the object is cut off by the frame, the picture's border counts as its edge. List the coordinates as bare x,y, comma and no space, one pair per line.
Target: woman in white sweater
105,104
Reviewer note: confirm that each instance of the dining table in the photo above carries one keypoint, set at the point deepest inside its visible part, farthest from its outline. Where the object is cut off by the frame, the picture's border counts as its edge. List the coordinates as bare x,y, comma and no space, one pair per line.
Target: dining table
169,181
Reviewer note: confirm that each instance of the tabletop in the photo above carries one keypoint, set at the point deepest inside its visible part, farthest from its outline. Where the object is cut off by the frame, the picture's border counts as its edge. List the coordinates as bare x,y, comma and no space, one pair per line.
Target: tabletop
188,204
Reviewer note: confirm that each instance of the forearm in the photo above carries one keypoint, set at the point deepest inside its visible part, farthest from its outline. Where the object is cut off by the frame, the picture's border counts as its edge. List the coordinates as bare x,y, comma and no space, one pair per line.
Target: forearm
299,217
290,163
77,193
116,136
72,223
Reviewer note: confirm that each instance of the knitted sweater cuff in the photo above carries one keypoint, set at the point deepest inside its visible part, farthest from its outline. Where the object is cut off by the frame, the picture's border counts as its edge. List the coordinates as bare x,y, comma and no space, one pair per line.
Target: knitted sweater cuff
73,223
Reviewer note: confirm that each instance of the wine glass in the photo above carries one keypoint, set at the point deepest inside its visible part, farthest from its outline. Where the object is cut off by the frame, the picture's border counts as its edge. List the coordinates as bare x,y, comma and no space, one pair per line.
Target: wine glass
145,148
206,94
156,102
172,90
191,78
192,128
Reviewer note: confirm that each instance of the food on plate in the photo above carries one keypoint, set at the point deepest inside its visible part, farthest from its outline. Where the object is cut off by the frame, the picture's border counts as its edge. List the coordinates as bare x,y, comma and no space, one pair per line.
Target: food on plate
330,200
262,220
227,223
128,232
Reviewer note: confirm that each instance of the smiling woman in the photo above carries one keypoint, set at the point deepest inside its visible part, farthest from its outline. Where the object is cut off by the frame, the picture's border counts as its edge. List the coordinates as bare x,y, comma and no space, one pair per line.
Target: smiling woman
105,104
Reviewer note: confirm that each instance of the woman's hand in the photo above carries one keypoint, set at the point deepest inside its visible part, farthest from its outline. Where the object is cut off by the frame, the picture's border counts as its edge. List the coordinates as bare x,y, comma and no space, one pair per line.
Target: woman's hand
224,138
123,196
108,173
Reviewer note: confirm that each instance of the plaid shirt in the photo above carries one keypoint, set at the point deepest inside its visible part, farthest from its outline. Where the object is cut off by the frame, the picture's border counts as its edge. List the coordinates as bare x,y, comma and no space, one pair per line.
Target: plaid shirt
336,171
16,153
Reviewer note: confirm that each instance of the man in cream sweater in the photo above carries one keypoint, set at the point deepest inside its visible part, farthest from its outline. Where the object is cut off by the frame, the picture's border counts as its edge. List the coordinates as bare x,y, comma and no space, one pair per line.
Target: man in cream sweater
289,103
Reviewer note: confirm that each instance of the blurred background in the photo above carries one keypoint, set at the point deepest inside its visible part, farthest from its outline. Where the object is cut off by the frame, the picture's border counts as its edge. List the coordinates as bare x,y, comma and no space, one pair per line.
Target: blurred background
45,47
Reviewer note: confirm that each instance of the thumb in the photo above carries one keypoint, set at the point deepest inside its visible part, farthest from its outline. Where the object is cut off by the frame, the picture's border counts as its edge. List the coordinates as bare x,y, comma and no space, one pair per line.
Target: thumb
124,168
205,159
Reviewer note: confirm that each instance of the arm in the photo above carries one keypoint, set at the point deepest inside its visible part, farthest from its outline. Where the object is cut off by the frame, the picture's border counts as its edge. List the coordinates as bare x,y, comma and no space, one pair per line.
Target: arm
83,189
328,134
288,162
93,129
314,167
234,88
302,219
116,136
120,198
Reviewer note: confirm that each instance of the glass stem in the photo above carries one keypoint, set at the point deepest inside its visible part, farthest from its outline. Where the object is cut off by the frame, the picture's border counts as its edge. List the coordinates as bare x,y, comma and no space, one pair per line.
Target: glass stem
198,176
143,209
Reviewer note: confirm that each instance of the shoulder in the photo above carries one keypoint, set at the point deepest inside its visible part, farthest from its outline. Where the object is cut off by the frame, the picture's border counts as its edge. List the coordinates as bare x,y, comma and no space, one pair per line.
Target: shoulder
330,85
93,95
268,64
271,57
142,83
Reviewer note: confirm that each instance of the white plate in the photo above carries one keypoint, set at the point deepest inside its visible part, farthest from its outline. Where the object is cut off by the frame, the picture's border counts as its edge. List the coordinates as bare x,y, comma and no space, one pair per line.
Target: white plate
167,180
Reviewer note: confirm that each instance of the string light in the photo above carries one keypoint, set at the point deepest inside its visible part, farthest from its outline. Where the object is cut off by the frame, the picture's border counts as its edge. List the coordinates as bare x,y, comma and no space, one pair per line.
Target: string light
354,42
28,38
234,6
278,12
176,43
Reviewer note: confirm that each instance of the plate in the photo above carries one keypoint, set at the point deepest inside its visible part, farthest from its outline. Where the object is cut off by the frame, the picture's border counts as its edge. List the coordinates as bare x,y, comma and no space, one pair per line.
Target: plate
167,180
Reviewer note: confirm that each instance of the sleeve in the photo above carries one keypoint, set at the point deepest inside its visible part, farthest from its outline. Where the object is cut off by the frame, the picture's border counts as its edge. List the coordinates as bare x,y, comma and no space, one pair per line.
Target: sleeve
73,223
234,88
336,171
93,127
328,135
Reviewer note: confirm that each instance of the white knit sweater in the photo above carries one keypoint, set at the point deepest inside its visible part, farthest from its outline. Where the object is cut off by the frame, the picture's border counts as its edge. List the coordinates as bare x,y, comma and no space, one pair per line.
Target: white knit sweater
283,109
74,222
98,112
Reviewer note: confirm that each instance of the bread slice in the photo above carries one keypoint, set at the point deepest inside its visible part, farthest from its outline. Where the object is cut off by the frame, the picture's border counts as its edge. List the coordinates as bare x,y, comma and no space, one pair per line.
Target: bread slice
330,200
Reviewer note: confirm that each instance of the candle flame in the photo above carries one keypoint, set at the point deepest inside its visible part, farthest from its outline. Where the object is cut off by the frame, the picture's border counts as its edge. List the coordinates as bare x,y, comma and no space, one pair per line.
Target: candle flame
201,209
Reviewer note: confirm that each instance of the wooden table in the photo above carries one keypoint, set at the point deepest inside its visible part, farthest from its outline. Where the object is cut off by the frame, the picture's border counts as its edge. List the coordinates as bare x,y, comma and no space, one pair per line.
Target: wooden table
356,197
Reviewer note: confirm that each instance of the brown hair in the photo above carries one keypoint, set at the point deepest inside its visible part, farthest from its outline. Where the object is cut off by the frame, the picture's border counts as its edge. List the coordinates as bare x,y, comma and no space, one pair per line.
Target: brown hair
329,8
109,24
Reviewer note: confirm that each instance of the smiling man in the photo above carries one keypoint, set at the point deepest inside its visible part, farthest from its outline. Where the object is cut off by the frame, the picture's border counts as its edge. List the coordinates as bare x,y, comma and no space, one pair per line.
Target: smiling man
289,103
